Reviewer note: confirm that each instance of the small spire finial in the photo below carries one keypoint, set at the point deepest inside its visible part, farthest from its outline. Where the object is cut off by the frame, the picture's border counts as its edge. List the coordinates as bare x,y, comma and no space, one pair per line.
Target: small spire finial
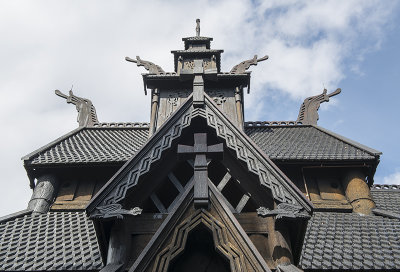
197,27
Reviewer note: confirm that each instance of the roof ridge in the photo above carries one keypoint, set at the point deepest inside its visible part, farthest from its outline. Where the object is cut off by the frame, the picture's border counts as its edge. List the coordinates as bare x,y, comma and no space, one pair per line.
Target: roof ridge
272,123
121,125
370,150
384,187
385,213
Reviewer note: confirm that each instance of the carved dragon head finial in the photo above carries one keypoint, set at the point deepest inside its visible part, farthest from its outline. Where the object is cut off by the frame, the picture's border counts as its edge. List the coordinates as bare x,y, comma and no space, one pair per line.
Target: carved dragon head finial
198,27
87,115
308,113
244,65
149,66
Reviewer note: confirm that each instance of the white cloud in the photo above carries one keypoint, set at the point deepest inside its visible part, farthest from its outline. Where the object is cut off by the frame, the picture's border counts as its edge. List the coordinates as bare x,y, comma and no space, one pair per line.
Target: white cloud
393,178
48,45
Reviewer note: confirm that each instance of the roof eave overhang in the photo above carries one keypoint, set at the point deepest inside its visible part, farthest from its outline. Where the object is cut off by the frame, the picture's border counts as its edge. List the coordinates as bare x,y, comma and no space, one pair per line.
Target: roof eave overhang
370,150
153,81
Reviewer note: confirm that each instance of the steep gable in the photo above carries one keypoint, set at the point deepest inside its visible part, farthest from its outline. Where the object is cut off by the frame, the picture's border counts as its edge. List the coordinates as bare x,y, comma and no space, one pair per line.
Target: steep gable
235,140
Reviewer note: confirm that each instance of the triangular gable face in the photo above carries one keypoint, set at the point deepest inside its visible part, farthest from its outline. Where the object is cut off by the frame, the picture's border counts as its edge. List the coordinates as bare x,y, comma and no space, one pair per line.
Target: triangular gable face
200,156
203,237
164,142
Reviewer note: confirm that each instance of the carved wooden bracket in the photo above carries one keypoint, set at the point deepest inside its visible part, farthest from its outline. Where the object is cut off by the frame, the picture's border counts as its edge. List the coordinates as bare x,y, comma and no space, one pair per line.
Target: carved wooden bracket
284,210
114,211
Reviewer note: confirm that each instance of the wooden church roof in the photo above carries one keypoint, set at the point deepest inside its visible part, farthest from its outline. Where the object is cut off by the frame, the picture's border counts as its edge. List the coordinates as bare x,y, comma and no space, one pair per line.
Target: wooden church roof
69,240
118,144
333,240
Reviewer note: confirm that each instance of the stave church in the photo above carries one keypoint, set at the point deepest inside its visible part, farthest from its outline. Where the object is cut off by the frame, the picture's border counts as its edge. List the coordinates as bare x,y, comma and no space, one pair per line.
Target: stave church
199,188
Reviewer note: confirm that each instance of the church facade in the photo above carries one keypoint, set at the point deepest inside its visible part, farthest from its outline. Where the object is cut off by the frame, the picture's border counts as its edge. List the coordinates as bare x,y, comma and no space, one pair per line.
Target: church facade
199,189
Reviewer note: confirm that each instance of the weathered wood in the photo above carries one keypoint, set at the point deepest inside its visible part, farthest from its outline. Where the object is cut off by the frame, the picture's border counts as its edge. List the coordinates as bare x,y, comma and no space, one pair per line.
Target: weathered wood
155,97
119,243
252,185
243,241
175,182
145,223
157,202
224,181
200,184
242,203
171,207
239,106
149,252
85,191
199,150
43,194
67,190
260,240
252,223
279,243
154,178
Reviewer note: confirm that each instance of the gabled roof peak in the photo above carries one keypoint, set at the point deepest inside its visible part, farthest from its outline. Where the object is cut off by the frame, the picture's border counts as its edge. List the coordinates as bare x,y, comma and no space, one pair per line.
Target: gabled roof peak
256,161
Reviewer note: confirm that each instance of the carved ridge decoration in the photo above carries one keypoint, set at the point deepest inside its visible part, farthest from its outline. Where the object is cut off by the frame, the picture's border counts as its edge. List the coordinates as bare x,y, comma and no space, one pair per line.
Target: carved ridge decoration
267,175
308,113
149,66
245,65
154,154
114,211
87,115
220,237
284,210
218,97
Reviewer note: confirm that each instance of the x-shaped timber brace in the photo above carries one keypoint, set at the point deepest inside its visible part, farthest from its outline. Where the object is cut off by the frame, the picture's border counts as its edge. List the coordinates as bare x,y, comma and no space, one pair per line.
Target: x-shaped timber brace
201,152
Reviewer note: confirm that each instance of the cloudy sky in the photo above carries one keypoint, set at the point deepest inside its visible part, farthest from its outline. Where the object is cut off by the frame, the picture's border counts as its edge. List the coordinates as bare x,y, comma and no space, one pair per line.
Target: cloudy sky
48,45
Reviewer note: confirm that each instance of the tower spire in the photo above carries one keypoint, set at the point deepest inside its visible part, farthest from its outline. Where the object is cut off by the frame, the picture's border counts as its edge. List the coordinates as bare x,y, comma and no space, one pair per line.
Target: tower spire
198,27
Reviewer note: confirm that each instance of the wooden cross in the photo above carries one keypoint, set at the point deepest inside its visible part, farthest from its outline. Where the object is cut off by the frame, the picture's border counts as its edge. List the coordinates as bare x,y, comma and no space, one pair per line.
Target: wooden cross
200,151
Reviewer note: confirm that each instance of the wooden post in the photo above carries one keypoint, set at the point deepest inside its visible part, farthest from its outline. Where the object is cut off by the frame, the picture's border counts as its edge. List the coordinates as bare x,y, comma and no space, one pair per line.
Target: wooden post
155,94
358,193
118,245
238,99
198,84
279,243
43,194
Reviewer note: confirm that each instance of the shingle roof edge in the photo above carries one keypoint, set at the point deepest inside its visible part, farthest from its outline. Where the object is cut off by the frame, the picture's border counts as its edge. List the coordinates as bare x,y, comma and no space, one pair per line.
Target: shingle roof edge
385,213
71,133
370,150
14,215
51,144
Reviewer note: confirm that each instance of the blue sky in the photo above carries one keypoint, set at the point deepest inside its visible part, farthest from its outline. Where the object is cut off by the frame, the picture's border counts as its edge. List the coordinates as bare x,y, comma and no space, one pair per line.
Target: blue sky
48,45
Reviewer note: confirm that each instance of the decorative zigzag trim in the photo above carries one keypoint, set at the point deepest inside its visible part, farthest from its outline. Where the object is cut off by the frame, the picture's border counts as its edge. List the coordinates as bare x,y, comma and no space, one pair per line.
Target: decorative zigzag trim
152,156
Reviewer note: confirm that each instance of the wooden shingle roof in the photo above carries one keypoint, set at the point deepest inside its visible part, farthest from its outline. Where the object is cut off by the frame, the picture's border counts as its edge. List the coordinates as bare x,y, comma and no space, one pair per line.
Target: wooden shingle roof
115,144
307,142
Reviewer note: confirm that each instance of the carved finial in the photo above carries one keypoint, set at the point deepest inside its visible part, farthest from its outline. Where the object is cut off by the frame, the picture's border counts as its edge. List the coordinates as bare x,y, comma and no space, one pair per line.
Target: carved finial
149,66
244,65
87,116
198,27
308,114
